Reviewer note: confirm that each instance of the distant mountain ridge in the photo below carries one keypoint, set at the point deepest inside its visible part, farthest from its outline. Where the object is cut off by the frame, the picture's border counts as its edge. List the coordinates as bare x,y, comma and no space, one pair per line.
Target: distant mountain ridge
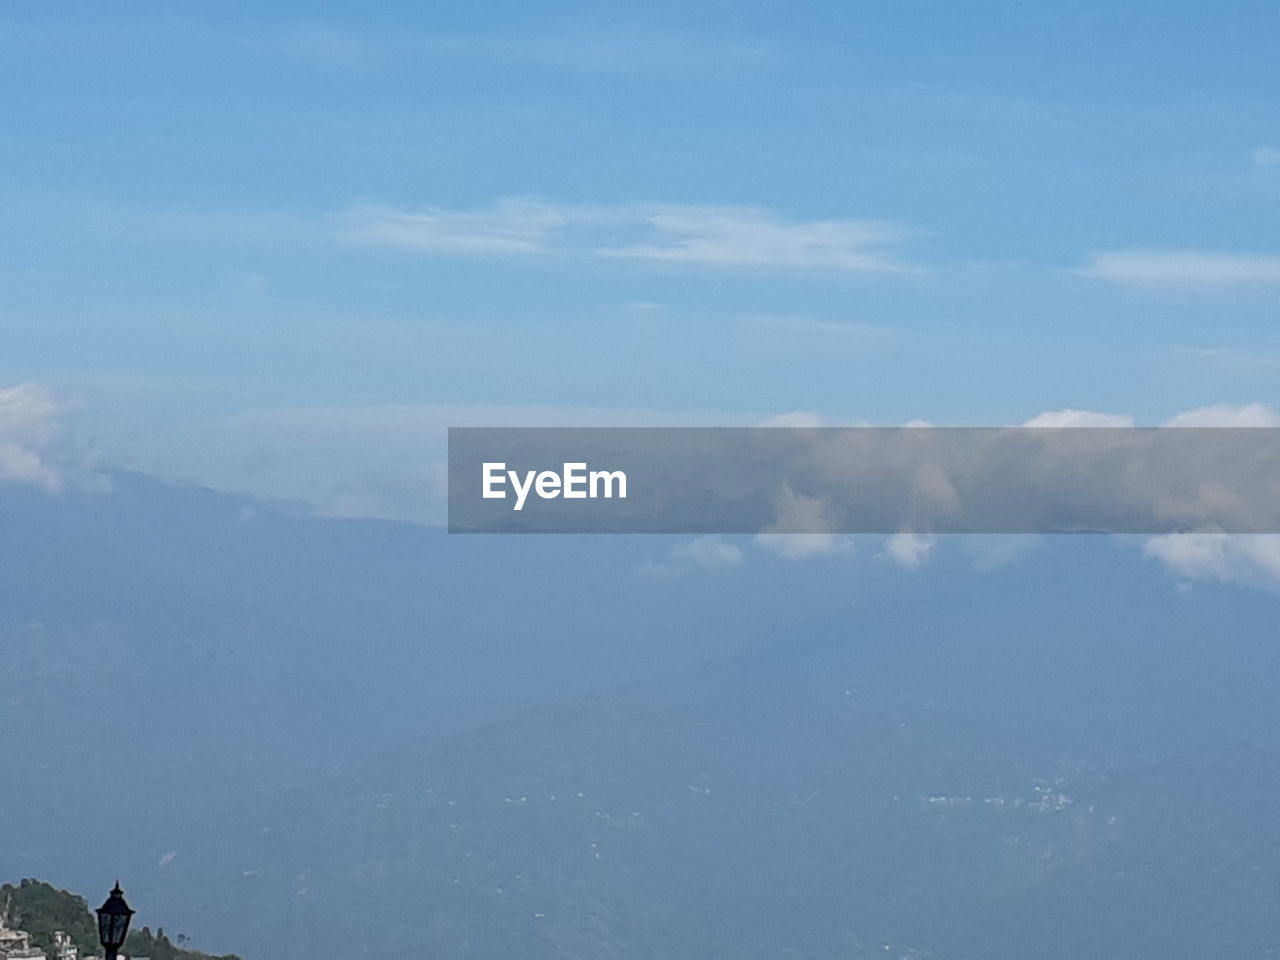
344,732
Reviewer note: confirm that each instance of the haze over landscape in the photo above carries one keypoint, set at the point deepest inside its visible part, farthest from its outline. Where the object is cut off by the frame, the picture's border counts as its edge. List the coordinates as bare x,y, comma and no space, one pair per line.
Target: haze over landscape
1068,751
254,260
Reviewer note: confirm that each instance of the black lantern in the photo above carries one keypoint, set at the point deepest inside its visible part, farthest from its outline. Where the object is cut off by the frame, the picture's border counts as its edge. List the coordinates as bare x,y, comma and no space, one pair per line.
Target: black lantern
113,922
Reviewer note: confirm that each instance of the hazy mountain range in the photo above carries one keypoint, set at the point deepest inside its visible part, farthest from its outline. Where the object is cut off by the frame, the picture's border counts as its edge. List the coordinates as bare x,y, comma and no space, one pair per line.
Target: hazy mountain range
291,735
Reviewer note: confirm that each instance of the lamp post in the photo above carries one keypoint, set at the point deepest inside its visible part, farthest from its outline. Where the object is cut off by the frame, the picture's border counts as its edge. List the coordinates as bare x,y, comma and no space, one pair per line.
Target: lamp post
113,922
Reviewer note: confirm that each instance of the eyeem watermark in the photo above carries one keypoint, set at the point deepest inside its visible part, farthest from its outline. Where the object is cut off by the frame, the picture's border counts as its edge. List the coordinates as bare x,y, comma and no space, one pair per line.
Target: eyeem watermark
573,482
864,480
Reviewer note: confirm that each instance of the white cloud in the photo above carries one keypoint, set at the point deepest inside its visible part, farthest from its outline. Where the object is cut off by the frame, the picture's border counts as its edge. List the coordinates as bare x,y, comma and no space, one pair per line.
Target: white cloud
753,237
1079,418
691,234
796,418
1267,156
1182,267
910,550
1005,481
515,225
809,525
1217,415
1223,415
710,551
32,437
1245,558
804,546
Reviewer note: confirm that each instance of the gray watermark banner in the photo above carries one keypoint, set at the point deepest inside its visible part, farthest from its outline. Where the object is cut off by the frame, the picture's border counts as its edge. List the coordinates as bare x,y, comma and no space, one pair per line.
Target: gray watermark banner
863,480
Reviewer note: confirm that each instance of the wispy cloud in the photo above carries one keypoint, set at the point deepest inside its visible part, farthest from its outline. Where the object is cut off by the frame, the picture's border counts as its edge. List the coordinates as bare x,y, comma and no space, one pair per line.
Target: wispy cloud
1267,156
809,524
805,419
1226,415
1251,358
805,546
1182,267
1245,558
36,447
1249,559
909,550
716,236
1079,418
753,237
514,225
709,551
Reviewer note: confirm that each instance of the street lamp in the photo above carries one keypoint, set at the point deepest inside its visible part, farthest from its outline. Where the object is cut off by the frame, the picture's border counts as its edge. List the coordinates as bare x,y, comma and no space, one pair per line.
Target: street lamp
113,922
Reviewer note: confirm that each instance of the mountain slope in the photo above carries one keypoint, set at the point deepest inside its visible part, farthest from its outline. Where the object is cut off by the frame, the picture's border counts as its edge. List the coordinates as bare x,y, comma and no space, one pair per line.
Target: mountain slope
287,733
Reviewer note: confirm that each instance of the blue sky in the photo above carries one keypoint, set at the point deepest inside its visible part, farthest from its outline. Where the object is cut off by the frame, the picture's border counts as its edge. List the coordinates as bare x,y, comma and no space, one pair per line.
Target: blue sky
279,247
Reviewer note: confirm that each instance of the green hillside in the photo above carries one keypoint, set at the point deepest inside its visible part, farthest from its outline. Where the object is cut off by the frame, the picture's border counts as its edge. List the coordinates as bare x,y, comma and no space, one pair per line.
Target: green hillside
40,909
